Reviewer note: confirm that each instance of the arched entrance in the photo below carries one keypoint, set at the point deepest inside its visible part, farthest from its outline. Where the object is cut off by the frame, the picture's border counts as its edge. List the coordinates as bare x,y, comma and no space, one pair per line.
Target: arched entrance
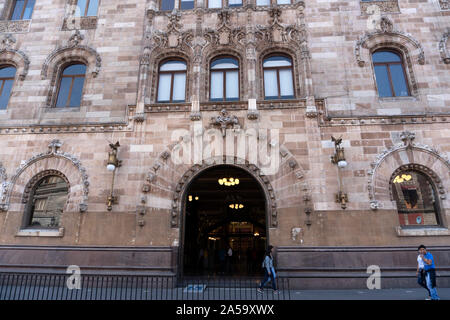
224,207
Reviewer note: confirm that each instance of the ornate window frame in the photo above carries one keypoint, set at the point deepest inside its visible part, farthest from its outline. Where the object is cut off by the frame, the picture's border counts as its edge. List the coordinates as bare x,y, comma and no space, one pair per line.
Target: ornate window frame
62,57
217,53
435,182
12,26
157,58
15,191
282,51
388,38
72,22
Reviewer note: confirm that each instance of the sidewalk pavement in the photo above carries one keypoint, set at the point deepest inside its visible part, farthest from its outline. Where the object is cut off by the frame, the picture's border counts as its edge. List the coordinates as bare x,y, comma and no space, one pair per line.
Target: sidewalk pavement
365,294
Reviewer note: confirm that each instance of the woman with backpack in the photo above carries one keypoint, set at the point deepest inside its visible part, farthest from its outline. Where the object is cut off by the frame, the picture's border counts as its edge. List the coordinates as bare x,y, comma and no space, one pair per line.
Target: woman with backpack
269,271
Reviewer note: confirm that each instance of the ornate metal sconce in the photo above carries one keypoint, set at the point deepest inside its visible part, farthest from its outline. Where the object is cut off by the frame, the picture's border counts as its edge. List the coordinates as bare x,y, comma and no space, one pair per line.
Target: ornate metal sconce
112,165
339,159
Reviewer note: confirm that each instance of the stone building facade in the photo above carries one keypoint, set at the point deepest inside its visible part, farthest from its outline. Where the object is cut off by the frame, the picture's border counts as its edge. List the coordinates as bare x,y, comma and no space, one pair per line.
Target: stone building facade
320,242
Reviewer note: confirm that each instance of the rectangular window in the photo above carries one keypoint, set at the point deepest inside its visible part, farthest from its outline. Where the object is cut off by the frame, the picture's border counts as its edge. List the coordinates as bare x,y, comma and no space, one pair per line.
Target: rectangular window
234,3
23,9
186,4
270,84
92,8
216,86
86,8
214,4
232,85
179,87
5,89
398,80
283,1
64,90
167,5
382,78
263,2
286,85
75,99
164,87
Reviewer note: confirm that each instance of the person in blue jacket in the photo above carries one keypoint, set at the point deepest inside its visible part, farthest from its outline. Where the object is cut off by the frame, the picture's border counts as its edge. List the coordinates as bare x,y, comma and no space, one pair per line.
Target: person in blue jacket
430,271
269,271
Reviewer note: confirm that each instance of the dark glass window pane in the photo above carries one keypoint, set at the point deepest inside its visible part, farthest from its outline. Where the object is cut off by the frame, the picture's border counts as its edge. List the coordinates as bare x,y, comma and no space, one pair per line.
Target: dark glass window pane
386,56
167,5
76,69
398,80
187,4
6,93
416,199
18,9
28,10
93,8
8,72
48,202
77,91
381,75
64,89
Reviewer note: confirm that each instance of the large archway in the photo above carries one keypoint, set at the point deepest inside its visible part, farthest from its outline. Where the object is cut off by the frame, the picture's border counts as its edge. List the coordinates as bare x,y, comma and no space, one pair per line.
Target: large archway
219,215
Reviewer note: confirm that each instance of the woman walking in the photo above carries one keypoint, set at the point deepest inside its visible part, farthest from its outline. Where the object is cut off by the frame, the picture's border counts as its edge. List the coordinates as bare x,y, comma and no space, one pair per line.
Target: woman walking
269,271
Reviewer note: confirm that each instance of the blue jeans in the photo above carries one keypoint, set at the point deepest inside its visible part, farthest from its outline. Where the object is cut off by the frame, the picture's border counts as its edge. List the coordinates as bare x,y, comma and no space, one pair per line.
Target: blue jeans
421,280
268,278
433,291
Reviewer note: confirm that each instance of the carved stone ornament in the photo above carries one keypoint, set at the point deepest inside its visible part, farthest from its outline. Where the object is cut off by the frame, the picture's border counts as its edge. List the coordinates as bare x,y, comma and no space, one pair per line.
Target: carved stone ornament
445,4
224,120
385,6
278,32
445,54
225,33
10,55
173,37
75,49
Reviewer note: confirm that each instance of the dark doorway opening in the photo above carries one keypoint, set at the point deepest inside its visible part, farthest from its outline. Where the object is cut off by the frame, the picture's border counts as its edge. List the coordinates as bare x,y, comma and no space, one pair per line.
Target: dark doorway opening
225,208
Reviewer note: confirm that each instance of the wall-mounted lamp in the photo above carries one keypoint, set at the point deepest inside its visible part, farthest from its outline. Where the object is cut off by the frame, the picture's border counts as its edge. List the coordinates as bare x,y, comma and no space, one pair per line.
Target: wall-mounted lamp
339,159
112,165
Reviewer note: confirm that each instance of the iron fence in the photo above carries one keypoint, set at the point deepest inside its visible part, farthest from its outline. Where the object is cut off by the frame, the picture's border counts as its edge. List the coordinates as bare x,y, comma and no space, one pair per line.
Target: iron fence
26,286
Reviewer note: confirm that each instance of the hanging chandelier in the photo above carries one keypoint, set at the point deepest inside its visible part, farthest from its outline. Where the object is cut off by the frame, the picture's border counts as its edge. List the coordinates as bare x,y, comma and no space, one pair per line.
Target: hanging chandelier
236,206
228,182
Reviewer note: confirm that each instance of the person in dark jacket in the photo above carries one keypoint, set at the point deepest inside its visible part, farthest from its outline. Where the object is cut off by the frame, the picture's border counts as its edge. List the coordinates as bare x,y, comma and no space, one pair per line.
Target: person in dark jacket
269,271
430,271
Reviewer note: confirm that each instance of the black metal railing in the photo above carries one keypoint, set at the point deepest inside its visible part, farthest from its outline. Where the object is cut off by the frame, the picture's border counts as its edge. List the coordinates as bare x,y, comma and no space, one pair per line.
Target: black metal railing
26,286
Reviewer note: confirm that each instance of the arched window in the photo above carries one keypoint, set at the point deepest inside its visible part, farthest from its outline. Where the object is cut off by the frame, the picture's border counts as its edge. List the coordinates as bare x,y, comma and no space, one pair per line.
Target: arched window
46,202
390,74
7,74
172,81
224,79
22,9
417,200
278,78
71,85
86,8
